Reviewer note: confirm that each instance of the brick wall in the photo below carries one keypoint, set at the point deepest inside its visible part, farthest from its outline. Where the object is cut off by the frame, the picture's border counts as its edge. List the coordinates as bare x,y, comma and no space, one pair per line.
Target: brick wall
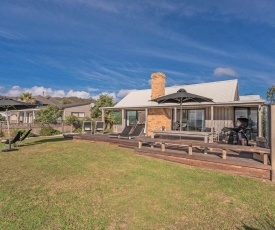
158,119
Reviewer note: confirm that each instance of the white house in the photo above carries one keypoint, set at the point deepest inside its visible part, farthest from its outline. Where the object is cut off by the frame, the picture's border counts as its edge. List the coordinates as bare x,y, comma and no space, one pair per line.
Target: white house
226,107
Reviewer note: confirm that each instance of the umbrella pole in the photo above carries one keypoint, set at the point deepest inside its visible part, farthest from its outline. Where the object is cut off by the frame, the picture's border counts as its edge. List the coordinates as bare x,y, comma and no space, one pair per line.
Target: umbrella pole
8,125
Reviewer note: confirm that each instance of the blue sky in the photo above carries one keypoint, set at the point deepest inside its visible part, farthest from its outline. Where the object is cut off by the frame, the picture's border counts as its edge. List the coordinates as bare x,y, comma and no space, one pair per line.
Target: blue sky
88,47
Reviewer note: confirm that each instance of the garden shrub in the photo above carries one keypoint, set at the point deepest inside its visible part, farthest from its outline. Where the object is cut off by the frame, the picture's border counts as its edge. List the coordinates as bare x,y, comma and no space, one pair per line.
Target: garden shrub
78,130
48,131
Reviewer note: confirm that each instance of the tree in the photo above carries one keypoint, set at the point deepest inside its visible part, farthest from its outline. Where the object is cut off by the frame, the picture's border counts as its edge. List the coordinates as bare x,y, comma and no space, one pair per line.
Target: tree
27,97
109,120
270,95
72,120
66,101
49,114
103,101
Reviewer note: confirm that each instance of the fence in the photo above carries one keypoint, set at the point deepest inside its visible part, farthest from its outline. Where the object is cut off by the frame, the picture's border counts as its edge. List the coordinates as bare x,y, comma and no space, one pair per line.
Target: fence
61,127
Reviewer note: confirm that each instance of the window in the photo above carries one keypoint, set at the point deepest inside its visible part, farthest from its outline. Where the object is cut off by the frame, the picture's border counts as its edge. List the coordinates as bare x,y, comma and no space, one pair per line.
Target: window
135,117
251,114
192,119
196,120
78,114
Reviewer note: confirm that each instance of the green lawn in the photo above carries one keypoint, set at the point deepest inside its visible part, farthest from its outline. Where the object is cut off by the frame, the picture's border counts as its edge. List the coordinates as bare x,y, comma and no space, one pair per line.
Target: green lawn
53,183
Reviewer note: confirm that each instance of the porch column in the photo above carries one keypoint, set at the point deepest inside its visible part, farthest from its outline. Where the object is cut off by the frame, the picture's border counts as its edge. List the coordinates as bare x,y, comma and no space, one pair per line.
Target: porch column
25,117
33,116
146,118
212,119
272,141
260,121
175,114
123,118
18,117
102,115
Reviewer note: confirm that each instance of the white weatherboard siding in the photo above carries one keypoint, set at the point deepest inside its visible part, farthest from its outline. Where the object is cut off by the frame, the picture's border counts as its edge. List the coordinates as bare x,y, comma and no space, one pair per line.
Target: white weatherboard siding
222,91
223,117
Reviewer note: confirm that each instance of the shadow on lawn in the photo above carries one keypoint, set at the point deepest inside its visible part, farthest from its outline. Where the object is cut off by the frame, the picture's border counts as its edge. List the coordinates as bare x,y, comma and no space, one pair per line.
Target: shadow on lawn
46,140
267,223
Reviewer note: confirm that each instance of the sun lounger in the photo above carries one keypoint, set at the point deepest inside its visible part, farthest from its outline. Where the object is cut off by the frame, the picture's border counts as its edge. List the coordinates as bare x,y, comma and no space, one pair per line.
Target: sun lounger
23,137
136,132
125,132
14,140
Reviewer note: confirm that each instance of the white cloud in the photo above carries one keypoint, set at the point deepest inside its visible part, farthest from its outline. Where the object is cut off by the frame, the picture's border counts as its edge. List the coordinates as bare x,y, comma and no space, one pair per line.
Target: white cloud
81,94
220,71
111,94
123,92
16,91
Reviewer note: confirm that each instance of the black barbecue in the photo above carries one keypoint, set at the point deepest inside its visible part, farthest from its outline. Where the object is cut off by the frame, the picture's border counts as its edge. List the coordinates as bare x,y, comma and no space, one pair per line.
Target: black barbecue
240,132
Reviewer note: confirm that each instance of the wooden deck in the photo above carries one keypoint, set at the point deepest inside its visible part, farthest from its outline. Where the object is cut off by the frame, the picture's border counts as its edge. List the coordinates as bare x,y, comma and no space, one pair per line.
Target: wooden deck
241,163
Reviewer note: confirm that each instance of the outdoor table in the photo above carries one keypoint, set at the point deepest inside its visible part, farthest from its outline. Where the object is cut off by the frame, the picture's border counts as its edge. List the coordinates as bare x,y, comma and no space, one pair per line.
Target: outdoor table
208,136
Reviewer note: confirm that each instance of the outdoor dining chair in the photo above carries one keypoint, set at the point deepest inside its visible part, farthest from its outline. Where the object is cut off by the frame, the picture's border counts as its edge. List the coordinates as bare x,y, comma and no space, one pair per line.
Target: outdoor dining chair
99,127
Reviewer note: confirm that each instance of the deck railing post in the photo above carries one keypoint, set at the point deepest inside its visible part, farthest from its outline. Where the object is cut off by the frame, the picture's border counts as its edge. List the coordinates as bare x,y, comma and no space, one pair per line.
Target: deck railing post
260,131
272,141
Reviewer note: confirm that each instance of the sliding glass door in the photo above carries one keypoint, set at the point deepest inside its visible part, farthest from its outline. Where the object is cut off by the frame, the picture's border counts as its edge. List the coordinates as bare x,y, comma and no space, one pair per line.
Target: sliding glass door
192,120
135,117
196,120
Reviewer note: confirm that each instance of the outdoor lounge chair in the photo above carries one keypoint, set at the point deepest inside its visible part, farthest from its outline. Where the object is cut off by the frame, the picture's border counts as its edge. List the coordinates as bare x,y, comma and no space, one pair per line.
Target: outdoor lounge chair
23,137
15,139
99,127
136,132
125,132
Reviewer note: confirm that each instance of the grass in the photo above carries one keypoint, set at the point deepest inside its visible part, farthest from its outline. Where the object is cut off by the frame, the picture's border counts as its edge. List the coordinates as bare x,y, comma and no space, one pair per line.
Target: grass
53,183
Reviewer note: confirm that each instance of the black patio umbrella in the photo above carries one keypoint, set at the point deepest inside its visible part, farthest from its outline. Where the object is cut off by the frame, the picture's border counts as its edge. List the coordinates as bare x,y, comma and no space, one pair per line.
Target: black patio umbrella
181,96
7,104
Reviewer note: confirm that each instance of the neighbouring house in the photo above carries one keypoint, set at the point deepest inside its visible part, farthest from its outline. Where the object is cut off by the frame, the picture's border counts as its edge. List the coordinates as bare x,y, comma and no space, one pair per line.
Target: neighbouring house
226,107
27,116
80,110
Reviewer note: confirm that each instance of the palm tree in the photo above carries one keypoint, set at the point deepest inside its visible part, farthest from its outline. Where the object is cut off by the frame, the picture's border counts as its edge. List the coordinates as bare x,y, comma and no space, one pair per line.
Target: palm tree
27,97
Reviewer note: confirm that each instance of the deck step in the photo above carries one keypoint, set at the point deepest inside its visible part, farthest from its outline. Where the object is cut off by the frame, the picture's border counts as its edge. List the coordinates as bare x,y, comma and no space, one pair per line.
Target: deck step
127,146
263,172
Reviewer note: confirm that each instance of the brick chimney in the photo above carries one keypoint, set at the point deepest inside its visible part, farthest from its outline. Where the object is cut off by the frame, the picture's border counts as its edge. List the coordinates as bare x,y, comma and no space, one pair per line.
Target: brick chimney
158,118
158,85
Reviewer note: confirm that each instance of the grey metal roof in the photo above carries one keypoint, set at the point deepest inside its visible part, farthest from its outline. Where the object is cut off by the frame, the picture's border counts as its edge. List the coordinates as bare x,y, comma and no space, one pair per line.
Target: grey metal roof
250,98
220,91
